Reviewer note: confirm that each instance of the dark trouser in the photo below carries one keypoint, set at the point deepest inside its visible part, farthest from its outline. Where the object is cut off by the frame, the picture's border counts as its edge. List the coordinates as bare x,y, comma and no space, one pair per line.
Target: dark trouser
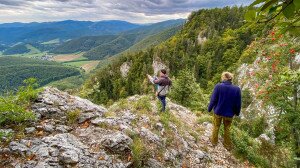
217,123
163,102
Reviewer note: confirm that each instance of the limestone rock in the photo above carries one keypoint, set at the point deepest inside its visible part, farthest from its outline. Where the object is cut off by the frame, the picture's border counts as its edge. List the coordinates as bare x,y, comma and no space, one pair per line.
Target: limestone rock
124,68
18,148
117,142
69,157
54,103
150,135
29,130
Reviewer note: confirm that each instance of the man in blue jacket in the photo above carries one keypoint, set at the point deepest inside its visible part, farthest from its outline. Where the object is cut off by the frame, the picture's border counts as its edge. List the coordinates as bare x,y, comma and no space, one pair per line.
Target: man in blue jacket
226,101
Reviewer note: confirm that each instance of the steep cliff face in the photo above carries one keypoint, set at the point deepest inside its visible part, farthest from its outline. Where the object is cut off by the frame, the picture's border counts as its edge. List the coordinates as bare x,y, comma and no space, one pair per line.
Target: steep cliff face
73,132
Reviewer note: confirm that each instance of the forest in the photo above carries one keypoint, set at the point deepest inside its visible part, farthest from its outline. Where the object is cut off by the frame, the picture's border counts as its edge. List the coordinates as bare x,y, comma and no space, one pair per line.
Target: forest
14,70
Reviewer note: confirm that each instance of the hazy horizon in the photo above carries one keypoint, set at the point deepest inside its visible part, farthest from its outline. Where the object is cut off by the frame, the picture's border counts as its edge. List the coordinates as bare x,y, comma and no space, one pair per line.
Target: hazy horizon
134,11
90,21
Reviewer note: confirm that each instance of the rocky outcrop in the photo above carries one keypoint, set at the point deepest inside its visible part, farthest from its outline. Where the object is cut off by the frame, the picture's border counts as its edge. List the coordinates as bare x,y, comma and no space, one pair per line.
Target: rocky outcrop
124,68
201,39
52,103
157,65
111,138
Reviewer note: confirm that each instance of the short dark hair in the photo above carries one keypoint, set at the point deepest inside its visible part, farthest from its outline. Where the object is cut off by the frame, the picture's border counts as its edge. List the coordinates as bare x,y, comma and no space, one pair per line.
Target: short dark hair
163,71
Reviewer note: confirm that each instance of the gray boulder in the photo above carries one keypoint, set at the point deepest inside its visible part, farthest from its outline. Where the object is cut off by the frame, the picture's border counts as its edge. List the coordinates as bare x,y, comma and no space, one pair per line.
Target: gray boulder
69,157
18,148
30,130
117,142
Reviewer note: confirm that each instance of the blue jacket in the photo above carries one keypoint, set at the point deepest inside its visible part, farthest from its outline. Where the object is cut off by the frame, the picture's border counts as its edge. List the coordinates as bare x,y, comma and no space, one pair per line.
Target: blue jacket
226,100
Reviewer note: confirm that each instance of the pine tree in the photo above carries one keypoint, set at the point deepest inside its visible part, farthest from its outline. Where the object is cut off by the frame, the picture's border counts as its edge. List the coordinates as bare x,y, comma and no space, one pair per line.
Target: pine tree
187,92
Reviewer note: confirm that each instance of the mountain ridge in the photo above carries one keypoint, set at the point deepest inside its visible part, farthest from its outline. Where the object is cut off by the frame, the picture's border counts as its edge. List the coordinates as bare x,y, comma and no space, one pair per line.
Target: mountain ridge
26,32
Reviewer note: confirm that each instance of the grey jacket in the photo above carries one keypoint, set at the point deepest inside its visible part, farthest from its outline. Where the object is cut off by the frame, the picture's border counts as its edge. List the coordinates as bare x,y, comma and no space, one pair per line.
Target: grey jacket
164,84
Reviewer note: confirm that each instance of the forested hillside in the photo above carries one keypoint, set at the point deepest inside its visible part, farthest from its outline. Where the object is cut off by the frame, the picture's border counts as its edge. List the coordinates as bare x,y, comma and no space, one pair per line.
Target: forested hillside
100,47
83,44
17,49
211,41
14,70
154,40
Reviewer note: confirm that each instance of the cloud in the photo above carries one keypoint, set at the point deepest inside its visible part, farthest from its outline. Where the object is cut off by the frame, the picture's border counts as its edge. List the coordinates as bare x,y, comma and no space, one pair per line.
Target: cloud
140,11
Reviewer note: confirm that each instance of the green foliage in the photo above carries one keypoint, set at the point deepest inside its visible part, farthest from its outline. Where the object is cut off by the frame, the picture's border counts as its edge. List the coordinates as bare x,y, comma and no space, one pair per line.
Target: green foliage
247,148
28,93
14,70
187,91
13,108
275,80
143,105
254,127
205,118
72,116
154,40
5,135
285,13
140,153
69,83
259,152
166,118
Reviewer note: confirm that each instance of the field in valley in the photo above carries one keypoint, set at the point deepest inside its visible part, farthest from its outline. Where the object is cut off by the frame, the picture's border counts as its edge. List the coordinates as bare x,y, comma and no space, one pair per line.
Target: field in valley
77,60
86,65
68,57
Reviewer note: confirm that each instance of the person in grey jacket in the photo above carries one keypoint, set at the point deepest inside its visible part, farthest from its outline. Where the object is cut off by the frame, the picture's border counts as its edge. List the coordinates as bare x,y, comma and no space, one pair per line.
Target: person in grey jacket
163,84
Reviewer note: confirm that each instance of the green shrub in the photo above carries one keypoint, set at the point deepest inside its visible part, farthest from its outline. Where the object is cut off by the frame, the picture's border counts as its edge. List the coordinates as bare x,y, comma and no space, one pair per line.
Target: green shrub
72,116
205,118
187,92
13,108
6,135
167,117
140,153
143,105
246,147
254,127
26,94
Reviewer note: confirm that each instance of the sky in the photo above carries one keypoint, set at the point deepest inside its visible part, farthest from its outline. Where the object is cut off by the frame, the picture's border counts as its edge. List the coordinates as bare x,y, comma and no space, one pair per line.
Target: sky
135,11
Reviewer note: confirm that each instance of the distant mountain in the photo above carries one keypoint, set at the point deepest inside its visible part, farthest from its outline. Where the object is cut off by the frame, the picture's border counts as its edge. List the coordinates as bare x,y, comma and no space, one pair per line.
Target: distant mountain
17,49
155,39
11,33
129,38
3,47
83,44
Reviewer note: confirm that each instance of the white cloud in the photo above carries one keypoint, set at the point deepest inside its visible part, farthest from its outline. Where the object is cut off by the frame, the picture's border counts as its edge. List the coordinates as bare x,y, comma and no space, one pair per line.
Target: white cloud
138,11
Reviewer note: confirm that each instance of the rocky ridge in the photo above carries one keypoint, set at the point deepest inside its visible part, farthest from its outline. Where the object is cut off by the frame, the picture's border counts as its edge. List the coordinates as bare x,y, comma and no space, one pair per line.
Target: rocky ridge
100,137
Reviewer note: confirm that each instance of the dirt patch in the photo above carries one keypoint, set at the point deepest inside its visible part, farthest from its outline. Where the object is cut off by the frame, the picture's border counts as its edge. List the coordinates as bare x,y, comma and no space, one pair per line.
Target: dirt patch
90,66
66,57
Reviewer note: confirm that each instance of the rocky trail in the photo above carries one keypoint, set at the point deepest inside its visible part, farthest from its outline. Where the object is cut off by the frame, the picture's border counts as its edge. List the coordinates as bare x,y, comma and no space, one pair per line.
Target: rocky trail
73,132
